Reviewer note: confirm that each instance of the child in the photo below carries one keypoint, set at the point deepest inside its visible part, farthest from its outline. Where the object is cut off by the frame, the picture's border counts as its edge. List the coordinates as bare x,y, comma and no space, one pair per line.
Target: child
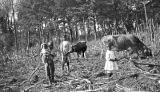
45,50
48,62
111,64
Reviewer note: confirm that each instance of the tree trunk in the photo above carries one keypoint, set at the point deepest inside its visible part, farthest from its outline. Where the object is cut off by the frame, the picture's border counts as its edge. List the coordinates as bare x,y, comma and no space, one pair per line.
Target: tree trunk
58,33
146,17
71,32
89,30
104,28
95,30
15,29
64,31
76,33
86,30
42,34
39,30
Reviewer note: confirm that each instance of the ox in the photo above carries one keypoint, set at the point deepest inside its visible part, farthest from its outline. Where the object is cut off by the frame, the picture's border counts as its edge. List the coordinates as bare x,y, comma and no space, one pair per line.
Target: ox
65,47
126,42
79,48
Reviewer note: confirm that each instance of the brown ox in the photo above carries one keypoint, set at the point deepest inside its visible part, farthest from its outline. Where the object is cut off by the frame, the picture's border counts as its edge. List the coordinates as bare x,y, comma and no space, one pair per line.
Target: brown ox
124,42
65,47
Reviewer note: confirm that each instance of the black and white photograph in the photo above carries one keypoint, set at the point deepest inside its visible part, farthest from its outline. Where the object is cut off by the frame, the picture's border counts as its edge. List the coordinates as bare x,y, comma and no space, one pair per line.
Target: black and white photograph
79,45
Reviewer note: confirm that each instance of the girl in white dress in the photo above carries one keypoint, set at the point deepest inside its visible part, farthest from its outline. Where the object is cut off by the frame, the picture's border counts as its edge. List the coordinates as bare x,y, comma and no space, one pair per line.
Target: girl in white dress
111,62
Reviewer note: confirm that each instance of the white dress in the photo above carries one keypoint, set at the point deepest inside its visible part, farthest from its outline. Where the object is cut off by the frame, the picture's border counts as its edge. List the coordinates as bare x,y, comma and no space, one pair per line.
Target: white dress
110,65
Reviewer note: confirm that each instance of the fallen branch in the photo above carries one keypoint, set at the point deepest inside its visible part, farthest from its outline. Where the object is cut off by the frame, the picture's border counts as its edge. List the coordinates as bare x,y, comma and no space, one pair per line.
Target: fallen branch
136,65
30,76
104,83
130,76
125,88
152,74
95,90
146,64
34,71
151,77
147,74
39,67
26,90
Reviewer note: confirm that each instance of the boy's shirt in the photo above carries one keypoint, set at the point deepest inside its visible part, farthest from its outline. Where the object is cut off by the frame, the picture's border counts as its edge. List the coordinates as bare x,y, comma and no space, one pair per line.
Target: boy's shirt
45,54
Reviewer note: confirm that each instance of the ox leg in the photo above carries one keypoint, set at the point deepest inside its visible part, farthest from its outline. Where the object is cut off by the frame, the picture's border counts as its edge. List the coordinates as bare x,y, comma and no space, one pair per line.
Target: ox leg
69,57
63,64
68,64
78,57
101,56
84,54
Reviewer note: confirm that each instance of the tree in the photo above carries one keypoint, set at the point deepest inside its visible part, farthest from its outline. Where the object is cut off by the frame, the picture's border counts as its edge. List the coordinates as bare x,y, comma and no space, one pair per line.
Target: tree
6,25
36,15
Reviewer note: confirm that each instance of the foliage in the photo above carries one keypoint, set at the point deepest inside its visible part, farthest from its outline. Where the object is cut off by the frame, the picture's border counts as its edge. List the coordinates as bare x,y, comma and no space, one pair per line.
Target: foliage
39,20
73,19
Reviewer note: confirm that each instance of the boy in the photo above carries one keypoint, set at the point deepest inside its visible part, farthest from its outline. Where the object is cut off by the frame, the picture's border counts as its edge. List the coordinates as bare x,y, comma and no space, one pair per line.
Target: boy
47,59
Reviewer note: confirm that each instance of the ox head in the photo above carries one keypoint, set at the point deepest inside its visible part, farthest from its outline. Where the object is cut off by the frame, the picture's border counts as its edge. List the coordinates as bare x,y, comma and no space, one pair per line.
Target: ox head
71,50
147,52
73,47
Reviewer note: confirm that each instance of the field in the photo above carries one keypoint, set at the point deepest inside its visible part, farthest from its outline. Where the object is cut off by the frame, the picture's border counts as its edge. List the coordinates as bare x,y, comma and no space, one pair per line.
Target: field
25,73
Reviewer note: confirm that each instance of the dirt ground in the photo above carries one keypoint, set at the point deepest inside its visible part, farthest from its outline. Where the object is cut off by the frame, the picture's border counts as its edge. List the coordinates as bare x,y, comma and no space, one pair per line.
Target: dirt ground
24,73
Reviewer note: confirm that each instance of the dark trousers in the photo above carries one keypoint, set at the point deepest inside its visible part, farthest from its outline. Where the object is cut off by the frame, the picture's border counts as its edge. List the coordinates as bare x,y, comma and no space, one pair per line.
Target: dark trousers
50,69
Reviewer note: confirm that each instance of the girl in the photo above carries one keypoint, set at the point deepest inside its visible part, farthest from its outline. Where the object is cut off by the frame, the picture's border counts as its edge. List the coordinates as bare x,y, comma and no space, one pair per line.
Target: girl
111,64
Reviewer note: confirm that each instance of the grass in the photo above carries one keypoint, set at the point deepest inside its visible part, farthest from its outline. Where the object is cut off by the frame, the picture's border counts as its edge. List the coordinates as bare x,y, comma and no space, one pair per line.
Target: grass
84,76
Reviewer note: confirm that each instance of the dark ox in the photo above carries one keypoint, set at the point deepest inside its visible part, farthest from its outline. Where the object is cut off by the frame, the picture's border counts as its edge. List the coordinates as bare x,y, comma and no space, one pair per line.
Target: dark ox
126,42
79,48
65,47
